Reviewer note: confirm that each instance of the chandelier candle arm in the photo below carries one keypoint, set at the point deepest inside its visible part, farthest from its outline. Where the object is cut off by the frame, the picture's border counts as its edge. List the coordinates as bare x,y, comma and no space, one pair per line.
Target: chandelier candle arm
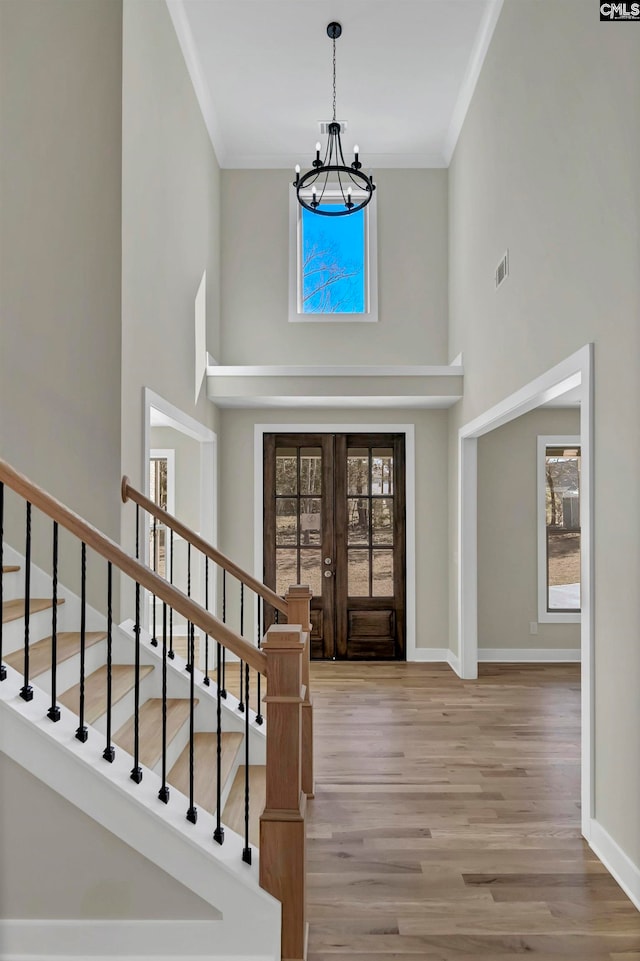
340,180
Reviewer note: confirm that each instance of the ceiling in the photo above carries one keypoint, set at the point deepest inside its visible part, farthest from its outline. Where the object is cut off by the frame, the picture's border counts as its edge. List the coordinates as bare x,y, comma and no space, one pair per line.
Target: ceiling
406,71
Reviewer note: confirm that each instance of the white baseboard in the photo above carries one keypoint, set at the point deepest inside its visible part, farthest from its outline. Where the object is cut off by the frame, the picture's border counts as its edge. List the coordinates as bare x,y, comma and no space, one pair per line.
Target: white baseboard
535,655
157,940
430,655
436,655
617,863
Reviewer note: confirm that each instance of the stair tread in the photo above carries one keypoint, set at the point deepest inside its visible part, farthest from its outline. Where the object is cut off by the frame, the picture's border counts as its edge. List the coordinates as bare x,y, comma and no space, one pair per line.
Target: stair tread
205,753
10,568
233,813
95,689
150,728
14,610
40,652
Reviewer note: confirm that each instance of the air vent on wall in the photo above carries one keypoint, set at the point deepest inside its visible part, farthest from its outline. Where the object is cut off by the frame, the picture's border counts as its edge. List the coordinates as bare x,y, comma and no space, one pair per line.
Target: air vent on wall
324,126
502,270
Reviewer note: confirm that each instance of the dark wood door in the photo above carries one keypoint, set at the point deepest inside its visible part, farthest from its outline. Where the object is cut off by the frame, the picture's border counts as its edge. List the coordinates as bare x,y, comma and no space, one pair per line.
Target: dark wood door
334,518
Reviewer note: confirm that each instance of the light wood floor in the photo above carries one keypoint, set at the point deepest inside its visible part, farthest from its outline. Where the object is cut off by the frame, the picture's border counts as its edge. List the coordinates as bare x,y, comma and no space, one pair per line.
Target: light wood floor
446,822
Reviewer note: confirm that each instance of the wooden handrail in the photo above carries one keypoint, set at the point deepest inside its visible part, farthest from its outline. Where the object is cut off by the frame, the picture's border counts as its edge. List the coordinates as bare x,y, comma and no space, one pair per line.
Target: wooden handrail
130,493
111,551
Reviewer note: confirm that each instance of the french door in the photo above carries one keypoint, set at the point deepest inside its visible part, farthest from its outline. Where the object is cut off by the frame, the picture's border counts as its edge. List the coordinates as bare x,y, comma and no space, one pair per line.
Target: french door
334,518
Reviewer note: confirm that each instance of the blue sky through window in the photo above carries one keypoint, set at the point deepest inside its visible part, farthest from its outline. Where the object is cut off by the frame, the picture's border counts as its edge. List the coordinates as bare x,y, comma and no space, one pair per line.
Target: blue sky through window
333,267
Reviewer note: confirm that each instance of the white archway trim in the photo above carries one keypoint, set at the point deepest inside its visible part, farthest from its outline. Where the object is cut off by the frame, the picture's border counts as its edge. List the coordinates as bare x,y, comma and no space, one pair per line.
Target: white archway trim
575,371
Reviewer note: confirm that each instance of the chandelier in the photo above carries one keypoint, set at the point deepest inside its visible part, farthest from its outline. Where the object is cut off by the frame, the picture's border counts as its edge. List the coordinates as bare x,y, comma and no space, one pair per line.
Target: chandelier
332,176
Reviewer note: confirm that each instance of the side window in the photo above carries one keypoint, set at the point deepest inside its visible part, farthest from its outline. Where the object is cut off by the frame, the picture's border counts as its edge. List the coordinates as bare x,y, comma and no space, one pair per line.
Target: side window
558,529
333,273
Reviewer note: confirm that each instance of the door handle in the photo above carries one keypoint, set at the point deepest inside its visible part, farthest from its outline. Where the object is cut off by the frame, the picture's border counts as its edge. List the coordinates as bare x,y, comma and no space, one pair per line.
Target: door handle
327,560
328,573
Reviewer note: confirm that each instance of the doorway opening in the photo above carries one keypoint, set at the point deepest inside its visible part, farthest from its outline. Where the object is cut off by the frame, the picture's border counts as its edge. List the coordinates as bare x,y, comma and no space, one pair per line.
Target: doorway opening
179,474
575,375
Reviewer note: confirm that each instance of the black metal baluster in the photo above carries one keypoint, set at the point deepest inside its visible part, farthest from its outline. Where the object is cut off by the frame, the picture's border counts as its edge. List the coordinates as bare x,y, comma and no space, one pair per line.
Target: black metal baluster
54,711
82,733
259,717
218,834
136,770
3,670
246,854
163,793
137,623
109,752
189,665
154,639
206,637
241,702
171,653
222,679
27,691
192,813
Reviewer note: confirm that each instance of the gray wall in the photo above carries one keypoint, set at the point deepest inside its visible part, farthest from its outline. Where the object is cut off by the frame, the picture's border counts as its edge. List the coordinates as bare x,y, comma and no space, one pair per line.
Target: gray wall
60,253
103,876
547,165
170,228
237,495
412,275
508,533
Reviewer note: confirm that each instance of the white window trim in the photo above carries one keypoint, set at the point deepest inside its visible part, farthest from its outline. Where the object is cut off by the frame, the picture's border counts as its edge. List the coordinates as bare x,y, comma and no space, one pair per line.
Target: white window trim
371,269
545,616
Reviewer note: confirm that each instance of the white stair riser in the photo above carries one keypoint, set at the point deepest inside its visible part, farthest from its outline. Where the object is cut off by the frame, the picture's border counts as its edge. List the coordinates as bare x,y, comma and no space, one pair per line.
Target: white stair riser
176,746
12,585
39,627
68,672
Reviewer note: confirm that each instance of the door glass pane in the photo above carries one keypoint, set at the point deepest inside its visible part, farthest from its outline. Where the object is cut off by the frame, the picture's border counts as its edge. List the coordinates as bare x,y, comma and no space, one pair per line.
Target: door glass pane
310,470
357,471
358,520
286,471
286,569
286,520
311,570
382,471
310,520
382,520
358,572
382,574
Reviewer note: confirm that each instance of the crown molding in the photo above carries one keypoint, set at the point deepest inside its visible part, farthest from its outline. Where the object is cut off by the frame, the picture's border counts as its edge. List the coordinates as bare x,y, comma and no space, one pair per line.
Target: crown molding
183,31
468,86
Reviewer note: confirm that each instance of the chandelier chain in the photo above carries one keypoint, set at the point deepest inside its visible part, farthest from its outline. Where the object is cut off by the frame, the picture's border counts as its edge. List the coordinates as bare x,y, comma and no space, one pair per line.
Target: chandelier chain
334,78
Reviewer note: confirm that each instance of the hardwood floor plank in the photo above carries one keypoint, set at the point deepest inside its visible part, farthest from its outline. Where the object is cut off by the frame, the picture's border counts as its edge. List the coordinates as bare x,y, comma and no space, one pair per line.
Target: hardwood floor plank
446,819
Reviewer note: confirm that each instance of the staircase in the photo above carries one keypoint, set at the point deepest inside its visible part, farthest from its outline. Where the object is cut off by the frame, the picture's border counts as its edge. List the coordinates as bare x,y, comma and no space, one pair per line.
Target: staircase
155,751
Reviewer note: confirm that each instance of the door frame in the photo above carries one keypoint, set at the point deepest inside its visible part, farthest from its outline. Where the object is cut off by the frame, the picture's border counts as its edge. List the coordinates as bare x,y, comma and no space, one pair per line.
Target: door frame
575,371
208,440
410,484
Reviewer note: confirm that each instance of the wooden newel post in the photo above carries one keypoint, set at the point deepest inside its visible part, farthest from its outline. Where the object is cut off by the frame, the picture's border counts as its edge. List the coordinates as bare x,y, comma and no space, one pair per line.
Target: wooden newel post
282,825
298,600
